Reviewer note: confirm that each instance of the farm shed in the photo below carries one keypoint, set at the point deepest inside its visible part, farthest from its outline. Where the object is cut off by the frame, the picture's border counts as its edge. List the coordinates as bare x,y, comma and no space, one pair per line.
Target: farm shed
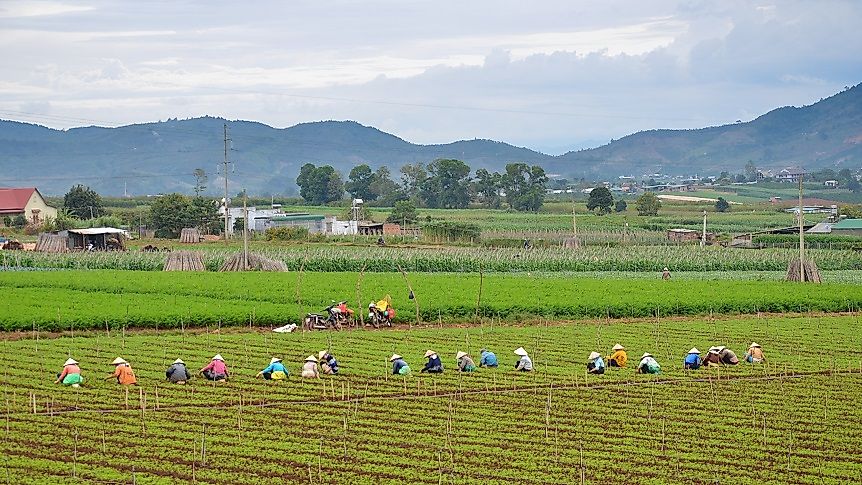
371,228
848,227
102,238
688,235
314,223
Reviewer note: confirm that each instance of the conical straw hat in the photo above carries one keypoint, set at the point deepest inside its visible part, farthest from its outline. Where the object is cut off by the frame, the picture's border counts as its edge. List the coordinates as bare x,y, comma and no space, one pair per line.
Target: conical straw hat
118,361
394,357
754,344
618,347
694,351
218,357
460,354
274,360
720,348
179,361
594,356
645,355
713,351
311,358
321,354
70,361
520,351
429,353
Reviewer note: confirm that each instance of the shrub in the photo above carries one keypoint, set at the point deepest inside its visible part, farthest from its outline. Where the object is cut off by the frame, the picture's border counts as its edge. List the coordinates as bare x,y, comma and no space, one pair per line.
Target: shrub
286,233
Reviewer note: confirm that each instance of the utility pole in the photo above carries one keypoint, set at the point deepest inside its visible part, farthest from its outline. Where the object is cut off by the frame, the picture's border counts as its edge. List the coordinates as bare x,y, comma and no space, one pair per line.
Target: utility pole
226,212
703,238
801,236
245,230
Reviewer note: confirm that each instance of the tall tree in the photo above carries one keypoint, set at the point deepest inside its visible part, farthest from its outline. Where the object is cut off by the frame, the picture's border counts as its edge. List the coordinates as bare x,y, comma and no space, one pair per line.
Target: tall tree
487,188
412,177
601,200
386,191
648,204
524,186
447,185
200,181
83,202
359,183
319,185
751,171
170,214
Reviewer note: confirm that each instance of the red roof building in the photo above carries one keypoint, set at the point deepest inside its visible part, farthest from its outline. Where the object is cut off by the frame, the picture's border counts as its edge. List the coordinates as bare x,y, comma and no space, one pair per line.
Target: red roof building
27,202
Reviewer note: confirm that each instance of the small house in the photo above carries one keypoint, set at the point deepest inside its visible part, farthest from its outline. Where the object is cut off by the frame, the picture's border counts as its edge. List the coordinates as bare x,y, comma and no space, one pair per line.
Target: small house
831,184
26,202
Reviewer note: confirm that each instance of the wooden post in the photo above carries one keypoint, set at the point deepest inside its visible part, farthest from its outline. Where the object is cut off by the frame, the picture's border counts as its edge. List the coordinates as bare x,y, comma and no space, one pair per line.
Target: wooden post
801,236
479,297
410,288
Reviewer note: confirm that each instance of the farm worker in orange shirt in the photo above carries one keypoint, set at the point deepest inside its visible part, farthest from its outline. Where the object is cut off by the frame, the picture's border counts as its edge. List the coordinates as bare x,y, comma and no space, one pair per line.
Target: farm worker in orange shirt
123,372
71,375
754,354
619,357
309,369
216,370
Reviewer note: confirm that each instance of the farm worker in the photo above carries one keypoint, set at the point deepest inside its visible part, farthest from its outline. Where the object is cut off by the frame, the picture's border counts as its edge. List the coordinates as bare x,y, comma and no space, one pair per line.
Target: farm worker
399,367
692,360
465,363
177,373
524,363
648,365
309,368
619,357
595,364
728,357
328,362
71,375
665,274
712,359
488,359
434,364
216,370
274,371
123,372
754,354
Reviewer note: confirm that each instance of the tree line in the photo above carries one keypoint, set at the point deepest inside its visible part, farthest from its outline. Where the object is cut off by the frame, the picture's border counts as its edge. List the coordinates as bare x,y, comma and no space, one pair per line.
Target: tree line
441,184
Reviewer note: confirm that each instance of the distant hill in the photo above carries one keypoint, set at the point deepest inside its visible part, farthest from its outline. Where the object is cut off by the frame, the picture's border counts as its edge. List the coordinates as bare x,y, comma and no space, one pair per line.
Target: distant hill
160,157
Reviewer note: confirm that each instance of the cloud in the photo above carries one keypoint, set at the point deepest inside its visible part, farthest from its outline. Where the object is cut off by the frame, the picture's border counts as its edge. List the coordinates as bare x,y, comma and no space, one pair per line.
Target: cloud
35,8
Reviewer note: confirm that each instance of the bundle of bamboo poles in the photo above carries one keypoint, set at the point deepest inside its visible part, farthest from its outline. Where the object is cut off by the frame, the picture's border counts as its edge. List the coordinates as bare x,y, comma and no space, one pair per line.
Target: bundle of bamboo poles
237,262
190,235
52,243
184,261
807,271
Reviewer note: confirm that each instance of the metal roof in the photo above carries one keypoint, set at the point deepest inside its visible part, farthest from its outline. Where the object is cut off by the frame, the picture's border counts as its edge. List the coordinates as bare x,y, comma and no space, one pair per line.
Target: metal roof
91,231
302,217
848,224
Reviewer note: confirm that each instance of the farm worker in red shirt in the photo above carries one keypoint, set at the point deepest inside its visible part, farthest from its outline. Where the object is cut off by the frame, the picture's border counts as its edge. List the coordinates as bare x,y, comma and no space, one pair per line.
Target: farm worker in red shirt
123,372
71,375
216,370
309,369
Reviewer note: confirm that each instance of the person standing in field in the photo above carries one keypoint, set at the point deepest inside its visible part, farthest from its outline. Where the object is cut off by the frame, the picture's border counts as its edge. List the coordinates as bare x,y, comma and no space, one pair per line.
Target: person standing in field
434,364
728,357
328,362
71,374
648,365
619,357
177,373
665,274
488,359
595,364
309,368
399,367
123,372
275,371
712,359
216,370
465,362
693,360
524,364
754,354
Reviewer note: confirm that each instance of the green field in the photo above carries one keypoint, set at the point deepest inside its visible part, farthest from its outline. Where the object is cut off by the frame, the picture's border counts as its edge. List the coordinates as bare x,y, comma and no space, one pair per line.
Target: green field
785,421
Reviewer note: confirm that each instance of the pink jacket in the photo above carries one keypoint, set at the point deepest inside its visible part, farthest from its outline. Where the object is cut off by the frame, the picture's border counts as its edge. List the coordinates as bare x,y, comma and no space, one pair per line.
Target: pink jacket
217,366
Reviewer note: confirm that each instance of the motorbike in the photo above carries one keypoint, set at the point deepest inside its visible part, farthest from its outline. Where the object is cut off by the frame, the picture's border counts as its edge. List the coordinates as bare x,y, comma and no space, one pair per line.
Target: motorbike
378,317
332,317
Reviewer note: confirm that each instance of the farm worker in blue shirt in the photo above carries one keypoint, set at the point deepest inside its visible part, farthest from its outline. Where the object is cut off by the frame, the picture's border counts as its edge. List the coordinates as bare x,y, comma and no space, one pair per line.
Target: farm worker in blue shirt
275,371
399,367
488,359
434,364
648,365
524,364
692,360
595,364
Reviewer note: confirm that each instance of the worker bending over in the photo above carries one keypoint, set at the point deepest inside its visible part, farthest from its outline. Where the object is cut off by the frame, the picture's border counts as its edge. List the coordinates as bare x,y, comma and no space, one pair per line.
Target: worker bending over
328,362
595,364
399,367
728,357
465,363
754,354
693,360
619,357
524,364
216,370
177,373
309,368
275,371
71,374
488,359
648,365
123,372
434,364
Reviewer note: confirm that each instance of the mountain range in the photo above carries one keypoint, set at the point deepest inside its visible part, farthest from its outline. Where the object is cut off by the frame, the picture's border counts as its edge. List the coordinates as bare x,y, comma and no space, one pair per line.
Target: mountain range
161,156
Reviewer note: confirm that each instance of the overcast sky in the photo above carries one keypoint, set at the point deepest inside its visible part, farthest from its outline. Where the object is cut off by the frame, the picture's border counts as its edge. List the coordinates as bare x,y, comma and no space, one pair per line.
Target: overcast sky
549,75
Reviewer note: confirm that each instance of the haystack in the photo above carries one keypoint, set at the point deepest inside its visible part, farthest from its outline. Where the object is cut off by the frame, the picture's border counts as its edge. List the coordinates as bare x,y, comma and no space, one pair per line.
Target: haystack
809,271
184,261
190,235
571,243
52,243
255,263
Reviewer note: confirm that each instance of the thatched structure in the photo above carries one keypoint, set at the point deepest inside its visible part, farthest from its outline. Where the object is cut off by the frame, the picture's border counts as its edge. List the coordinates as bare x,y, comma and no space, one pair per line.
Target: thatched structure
809,271
190,235
255,263
184,261
52,243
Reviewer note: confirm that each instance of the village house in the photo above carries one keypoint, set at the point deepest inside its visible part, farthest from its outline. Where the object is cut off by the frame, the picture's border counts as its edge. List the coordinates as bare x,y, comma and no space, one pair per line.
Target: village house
26,202
790,174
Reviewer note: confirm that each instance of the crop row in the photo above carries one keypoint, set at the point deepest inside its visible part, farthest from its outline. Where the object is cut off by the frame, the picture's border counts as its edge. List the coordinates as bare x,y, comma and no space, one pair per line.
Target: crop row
357,258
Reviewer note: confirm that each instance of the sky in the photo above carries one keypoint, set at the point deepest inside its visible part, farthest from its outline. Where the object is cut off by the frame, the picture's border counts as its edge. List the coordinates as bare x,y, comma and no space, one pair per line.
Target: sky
548,75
